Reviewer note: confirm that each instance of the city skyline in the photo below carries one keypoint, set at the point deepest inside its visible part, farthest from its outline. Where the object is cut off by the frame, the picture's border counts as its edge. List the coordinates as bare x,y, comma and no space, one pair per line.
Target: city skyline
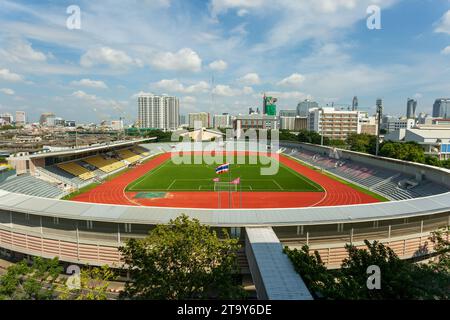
218,58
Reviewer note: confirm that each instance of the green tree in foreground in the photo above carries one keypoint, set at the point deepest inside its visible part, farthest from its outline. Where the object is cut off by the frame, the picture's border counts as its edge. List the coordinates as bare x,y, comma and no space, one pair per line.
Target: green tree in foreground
182,260
400,279
30,282
93,285
40,280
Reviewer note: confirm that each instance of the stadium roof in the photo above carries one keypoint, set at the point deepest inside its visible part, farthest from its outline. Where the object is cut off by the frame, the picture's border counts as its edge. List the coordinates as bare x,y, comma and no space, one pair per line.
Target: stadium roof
226,217
84,149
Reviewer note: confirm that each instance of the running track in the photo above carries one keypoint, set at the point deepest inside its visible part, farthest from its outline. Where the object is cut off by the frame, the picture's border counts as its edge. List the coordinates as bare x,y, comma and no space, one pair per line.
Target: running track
336,193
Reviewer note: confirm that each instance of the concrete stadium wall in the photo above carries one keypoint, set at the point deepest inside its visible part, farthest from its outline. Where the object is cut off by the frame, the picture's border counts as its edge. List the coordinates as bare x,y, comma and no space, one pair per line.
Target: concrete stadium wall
434,174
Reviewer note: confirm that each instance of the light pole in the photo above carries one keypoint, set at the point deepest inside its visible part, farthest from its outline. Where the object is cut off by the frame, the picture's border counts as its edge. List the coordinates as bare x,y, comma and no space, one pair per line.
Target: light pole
379,115
321,126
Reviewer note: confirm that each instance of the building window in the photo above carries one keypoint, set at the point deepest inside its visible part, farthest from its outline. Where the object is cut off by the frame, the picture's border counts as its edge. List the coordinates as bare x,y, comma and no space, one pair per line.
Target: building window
56,220
89,225
128,227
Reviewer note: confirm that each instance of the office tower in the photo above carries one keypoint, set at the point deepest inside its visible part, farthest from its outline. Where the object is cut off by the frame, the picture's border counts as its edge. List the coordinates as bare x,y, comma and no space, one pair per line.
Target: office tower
158,112
411,107
7,118
222,121
182,119
44,117
20,118
202,117
288,113
304,107
355,103
441,108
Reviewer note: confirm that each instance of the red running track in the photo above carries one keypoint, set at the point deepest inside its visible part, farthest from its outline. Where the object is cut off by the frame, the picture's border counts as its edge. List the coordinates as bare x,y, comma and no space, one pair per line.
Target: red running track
336,193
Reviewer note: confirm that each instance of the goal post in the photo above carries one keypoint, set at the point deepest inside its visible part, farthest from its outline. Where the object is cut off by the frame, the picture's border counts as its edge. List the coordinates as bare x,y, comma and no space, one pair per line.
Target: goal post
225,186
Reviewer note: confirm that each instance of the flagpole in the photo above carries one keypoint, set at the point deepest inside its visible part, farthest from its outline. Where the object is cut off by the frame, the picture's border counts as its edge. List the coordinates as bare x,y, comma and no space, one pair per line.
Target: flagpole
229,185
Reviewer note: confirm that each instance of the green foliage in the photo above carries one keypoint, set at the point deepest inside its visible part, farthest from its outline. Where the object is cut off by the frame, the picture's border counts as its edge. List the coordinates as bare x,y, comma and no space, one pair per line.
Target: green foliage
182,260
400,279
362,142
409,151
160,135
94,283
311,137
286,135
30,282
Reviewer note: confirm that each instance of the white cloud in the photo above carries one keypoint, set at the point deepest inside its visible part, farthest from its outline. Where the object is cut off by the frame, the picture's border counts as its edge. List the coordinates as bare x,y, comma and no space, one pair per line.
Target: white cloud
443,26
295,95
7,75
189,100
90,83
107,56
83,95
222,6
7,91
294,80
184,60
140,93
227,91
218,65
446,50
174,85
21,51
250,79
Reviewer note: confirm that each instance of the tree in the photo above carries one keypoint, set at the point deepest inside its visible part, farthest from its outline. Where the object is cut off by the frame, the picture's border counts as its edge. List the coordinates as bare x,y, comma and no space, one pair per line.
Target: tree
400,279
30,282
362,142
182,260
93,284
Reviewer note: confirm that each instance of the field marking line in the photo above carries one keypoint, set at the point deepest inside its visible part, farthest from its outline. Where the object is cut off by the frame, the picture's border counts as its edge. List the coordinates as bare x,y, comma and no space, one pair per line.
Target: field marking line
148,174
168,188
281,188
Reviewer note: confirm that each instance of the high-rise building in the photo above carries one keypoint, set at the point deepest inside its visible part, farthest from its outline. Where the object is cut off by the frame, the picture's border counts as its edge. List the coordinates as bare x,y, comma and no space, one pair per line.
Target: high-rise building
203,117
7,118
355,103
334,124
21,118
45,116
304,107
288,113
158,112
441,108
222,121
411,106
117,125
182,119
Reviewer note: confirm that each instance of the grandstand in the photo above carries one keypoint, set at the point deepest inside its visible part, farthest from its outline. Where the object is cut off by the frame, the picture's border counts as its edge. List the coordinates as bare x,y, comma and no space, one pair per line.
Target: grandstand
129,156
33,186
77,170
383,181
106,165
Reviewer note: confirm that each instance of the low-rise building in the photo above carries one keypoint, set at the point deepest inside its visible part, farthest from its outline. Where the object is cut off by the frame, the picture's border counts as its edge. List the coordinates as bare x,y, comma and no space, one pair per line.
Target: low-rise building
435,141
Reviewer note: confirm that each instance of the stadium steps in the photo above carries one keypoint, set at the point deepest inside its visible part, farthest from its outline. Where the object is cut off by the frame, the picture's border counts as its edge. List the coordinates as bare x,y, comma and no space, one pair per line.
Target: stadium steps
384,182
32,186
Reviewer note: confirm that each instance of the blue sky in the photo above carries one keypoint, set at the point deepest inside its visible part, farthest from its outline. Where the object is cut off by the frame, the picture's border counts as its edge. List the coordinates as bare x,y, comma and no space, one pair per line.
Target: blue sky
296,49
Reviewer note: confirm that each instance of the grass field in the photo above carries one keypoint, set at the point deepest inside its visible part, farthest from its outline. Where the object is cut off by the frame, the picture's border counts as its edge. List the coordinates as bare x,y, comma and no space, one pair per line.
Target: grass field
198,177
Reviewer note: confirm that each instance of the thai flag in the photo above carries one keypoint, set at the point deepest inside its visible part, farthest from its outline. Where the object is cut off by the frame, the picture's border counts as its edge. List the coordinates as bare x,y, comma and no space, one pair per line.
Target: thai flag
223,168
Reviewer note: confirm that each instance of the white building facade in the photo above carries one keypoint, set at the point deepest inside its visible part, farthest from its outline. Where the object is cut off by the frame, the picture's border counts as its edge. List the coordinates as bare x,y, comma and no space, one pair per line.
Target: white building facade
158,112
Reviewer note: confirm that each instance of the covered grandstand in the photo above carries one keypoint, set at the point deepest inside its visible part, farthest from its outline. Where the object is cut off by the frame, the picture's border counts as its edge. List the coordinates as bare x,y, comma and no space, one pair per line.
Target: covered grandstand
71,169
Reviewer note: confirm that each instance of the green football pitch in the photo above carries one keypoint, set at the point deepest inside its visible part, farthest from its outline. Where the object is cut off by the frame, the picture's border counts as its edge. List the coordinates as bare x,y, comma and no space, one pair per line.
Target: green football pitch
199,177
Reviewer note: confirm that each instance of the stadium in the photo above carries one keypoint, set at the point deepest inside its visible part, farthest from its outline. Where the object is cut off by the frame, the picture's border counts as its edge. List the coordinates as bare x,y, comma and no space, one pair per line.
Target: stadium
82,204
